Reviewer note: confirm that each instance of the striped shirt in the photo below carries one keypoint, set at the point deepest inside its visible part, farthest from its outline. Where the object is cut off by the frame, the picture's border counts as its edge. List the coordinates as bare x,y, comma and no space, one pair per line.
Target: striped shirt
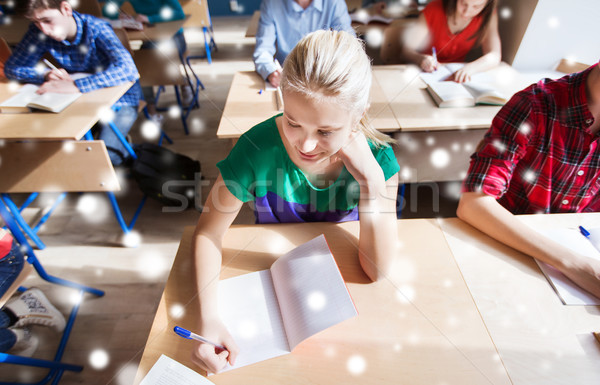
539,155
96,50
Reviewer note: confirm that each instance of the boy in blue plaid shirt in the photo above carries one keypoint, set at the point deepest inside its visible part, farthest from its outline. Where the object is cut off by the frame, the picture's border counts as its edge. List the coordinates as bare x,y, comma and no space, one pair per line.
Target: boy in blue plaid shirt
79,43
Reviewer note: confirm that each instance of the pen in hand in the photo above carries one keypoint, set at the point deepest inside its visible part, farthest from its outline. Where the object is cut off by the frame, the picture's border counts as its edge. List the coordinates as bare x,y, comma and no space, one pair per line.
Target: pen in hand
193,336
435,61
50,65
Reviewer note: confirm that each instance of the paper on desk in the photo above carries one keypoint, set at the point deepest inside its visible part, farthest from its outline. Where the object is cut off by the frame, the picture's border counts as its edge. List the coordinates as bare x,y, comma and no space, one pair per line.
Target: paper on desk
167,371
568,292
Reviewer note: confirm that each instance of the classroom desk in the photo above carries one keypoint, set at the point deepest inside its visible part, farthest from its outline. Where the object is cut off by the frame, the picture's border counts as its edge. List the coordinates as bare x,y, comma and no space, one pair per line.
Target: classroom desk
158,31
540,340
43,126
245,106
253,25
418,326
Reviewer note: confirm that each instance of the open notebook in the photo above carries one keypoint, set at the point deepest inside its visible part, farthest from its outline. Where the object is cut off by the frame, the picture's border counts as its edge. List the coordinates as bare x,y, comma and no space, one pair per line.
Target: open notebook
26,99
451,94
270,312
568,292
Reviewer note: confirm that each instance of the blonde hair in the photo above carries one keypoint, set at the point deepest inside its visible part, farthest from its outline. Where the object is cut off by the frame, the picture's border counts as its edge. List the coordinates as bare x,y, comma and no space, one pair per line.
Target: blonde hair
333,64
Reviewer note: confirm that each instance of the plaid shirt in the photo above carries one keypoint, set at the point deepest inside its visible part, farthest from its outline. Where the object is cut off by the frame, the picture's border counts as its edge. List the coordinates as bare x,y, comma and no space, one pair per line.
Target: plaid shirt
539,155
96,49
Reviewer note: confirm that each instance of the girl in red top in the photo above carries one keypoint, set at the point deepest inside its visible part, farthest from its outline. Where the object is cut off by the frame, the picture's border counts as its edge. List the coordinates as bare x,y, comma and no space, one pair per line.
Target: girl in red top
454,27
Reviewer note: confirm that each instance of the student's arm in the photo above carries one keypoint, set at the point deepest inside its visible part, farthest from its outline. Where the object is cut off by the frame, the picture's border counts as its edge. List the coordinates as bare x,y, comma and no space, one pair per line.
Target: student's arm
21,65
491,48
266,38
177,12
376,208
414,40
112,9
486,214
341,20
219,211
120,69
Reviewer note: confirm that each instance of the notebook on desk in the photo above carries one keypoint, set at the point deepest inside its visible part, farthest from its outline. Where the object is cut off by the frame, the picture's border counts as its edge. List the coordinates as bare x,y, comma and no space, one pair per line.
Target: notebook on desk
270,312
27,99
478,91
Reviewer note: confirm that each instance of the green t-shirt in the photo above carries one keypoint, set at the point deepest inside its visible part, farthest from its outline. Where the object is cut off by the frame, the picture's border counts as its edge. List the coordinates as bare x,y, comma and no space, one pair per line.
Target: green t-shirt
259,169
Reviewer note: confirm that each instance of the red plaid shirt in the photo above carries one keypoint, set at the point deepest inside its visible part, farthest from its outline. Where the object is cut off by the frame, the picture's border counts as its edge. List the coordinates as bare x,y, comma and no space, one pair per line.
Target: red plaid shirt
539,155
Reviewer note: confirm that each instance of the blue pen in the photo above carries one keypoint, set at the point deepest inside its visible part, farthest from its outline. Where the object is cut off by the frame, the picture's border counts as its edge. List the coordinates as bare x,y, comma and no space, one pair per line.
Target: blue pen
434,54
584,232
193,336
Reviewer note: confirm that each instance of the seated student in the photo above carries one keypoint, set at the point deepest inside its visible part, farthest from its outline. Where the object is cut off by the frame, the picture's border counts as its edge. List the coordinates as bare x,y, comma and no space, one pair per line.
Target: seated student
79,43
283,23
318,161
29,308
454,27
151,12
540,156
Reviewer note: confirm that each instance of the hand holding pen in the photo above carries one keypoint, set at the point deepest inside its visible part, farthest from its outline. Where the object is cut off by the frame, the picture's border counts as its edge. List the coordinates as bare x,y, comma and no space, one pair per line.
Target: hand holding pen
209,355
55,73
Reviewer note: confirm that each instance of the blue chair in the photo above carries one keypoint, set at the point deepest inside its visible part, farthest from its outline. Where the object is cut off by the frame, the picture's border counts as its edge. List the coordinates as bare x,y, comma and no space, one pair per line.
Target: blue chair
55,367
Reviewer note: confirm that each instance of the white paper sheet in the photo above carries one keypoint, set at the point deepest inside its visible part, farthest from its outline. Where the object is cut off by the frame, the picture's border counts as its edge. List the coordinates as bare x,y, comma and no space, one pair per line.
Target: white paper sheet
167,371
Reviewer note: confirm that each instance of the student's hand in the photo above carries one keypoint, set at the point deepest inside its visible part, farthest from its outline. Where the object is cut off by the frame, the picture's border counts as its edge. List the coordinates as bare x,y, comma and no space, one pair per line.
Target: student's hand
142,19
428,63
585,272
360,162
59,86
210,358
462,75
58,74
274,78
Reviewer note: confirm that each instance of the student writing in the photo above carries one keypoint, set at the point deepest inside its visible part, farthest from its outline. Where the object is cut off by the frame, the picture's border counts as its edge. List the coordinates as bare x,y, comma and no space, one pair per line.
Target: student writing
540,156
79,43
455,27
283,23
318,161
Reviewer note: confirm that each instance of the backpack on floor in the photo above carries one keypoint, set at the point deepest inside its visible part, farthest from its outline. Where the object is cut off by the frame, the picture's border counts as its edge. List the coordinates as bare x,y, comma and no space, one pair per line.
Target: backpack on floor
165,175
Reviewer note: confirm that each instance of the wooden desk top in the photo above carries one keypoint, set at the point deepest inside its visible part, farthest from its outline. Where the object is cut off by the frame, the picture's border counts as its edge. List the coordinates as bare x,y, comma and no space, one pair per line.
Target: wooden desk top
415,110
245,107
253,25
158,31
419,326
71,123
540,340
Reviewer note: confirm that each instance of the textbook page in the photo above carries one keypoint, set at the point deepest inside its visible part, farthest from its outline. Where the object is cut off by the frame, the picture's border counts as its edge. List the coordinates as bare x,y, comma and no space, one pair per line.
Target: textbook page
167,371
568,292
249,309
27,98
311,291
485,94
450,94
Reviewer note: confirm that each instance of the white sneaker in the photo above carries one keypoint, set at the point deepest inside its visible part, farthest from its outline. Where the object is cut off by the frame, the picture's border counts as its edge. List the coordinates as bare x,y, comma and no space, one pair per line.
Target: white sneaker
33,308
26,344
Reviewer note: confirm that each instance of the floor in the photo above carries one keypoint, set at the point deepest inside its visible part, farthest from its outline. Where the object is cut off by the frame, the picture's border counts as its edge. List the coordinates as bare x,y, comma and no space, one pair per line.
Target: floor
85,245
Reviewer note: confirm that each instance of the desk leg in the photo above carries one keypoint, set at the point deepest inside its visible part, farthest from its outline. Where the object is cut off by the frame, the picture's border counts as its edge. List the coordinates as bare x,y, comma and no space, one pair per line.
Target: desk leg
13,212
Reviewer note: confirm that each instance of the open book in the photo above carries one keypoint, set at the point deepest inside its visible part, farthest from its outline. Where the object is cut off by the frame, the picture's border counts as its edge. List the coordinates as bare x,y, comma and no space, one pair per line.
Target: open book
569,292
468,94
362,16
26,100
270,312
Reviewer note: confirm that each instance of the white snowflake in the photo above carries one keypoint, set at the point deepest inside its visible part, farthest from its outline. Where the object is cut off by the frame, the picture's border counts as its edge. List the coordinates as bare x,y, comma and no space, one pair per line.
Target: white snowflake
525,128
166,13
111,9
553,22
529,176
374,37
356,365
440,158
32,48
84,49
150,130
499,145
505,13
99,359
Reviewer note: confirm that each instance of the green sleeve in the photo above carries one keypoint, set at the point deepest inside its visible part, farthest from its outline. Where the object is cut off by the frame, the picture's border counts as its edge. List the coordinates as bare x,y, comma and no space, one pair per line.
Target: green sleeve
237,170
387,160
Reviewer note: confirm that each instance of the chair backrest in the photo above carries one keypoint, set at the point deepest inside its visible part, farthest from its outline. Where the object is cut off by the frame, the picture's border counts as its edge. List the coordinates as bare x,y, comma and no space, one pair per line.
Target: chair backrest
122,35
91,7
4,55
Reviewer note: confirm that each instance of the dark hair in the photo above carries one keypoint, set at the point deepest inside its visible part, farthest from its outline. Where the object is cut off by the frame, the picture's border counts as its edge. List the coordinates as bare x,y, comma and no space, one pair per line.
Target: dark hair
485,14
33,5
